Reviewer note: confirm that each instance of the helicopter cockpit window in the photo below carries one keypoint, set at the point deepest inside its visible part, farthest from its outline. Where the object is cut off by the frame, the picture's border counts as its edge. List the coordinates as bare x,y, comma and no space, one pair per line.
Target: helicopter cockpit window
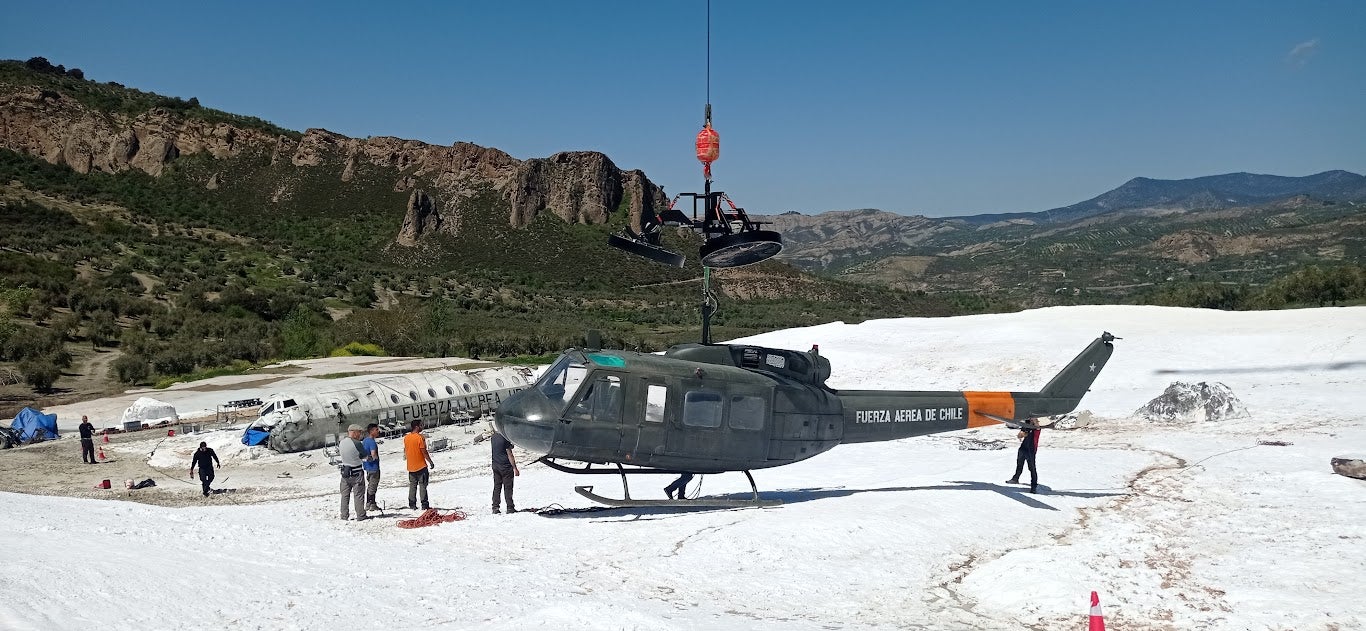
702,408
746,412
289,403
601,401
656,400
561,381
268,409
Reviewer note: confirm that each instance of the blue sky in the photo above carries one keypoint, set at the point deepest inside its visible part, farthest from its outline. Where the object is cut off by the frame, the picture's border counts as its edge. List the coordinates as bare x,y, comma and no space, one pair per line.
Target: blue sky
932,108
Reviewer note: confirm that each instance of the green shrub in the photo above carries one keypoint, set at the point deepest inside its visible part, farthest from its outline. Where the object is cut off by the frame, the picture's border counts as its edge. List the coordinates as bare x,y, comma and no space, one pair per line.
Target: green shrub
357,349
40,372
131,369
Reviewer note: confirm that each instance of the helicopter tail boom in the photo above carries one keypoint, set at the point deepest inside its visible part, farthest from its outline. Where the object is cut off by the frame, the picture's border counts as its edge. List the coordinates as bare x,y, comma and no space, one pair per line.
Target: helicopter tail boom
873,415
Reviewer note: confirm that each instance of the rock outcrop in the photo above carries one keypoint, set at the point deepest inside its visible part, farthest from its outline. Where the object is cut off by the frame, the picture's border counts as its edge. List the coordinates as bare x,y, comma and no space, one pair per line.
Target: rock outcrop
582,187
1350,466
421,219
1192,402
61,130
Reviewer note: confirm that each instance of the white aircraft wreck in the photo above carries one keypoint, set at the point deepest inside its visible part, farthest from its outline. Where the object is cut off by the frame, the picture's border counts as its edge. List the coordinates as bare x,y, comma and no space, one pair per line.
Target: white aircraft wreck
306,418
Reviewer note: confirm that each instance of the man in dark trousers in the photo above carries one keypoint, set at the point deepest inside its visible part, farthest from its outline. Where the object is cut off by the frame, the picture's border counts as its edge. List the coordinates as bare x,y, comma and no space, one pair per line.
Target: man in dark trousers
370,463
87,441
504,470
679,486
1029,448
205,459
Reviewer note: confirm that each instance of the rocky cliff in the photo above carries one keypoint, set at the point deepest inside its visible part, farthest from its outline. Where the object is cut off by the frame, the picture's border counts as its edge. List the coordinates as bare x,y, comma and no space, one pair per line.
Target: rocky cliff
582,187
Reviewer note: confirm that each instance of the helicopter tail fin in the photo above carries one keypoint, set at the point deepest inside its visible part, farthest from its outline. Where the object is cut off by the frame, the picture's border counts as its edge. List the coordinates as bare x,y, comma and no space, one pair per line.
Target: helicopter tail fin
1064,392
1077,377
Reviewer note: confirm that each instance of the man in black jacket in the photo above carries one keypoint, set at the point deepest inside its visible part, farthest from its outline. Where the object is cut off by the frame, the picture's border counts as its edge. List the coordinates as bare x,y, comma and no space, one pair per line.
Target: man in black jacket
1029,449
504,471
205,459
87,441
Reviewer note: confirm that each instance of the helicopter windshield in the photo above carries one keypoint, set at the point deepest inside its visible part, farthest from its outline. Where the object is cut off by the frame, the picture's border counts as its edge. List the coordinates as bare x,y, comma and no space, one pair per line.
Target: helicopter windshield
562,380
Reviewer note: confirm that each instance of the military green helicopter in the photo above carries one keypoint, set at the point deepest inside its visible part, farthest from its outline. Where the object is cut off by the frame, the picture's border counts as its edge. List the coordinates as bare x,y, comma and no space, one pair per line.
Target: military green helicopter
711,408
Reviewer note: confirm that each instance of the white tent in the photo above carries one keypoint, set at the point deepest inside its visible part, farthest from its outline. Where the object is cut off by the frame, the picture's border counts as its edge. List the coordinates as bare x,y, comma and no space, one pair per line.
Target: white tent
147,410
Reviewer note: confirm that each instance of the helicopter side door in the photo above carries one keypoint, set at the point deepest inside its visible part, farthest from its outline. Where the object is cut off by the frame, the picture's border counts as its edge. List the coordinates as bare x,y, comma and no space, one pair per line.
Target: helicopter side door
595,417
643,425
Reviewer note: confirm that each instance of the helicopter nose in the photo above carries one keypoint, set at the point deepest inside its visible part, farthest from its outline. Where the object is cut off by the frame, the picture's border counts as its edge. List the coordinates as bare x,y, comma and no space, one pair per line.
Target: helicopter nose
528,420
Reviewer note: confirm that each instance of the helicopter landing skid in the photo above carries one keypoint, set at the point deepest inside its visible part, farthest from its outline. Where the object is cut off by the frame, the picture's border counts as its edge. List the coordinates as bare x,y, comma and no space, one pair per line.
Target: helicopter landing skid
701,502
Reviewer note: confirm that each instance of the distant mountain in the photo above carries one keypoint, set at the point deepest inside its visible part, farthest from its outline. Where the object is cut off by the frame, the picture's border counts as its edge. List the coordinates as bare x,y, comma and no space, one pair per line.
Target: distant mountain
1201,193
1235,228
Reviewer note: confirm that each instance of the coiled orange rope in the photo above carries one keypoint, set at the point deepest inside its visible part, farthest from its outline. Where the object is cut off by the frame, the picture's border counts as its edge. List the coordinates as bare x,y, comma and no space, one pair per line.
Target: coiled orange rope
431,517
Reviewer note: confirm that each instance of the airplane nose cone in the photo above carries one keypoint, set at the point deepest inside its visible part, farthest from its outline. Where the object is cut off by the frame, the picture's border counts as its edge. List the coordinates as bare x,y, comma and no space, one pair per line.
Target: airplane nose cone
528,420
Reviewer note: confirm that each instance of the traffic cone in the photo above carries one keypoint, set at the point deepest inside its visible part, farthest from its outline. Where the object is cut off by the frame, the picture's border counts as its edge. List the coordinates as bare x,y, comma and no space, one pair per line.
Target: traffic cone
1097,620
101,452
106,438
170,432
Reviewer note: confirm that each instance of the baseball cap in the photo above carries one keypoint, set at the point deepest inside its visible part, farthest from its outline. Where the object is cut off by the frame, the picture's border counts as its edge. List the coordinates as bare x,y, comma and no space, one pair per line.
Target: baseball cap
355,428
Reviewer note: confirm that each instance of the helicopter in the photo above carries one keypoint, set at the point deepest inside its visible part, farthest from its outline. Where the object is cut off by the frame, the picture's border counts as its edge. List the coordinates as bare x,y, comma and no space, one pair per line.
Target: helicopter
713,408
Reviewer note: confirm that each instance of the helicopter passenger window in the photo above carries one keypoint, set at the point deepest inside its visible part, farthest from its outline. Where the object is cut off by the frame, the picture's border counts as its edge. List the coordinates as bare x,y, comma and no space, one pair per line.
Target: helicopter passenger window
268,409
702,408
289,403
656,399
746,412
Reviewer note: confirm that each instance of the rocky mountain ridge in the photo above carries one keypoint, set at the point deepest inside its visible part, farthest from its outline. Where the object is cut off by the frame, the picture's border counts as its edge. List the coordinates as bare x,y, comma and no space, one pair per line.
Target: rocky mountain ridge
578,186
870,245
1202,193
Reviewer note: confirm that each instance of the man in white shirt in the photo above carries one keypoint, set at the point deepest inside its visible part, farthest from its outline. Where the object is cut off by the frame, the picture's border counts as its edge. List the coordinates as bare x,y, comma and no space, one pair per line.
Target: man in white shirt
352,475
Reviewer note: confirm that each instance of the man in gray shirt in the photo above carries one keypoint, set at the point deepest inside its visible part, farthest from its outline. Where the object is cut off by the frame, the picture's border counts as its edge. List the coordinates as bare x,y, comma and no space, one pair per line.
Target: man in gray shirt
352,476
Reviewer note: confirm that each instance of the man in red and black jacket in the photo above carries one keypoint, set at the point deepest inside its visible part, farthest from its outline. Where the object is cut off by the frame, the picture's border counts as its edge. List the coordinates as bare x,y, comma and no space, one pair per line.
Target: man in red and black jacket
1029,448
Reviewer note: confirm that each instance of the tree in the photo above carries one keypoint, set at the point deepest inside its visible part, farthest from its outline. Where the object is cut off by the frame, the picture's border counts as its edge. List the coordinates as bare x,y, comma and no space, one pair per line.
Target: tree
102,330
172,361
40,373
39,64
301,334
131,369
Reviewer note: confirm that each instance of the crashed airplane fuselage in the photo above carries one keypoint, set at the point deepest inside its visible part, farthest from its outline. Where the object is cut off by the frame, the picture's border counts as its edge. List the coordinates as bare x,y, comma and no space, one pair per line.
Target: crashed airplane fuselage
306,417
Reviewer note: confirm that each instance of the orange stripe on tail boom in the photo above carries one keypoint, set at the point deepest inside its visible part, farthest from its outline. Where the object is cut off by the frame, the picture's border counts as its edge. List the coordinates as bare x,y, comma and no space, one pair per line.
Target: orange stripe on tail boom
997,403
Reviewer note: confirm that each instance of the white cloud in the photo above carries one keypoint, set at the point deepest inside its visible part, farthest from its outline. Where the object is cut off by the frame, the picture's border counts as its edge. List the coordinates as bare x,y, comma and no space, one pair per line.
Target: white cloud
1300,54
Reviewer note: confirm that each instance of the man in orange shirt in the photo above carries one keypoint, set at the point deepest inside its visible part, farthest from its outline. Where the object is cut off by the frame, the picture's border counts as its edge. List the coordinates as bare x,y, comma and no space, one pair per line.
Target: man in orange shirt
419,464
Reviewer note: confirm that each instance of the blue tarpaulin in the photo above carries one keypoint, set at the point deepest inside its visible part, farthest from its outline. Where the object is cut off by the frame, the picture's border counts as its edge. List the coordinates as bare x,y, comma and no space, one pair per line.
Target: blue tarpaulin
29,422
254,437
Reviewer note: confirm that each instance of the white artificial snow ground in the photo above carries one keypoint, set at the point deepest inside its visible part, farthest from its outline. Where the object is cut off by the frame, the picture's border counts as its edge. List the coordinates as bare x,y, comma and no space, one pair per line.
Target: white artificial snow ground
1176,525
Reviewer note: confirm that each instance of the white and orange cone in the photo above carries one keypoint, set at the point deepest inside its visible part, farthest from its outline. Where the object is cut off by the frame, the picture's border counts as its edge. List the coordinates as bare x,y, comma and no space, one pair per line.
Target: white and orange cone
101,452
1097,620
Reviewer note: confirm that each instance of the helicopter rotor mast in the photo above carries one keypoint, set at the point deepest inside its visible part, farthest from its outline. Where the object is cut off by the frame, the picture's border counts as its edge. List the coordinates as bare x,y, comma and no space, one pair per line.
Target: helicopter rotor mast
730,237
